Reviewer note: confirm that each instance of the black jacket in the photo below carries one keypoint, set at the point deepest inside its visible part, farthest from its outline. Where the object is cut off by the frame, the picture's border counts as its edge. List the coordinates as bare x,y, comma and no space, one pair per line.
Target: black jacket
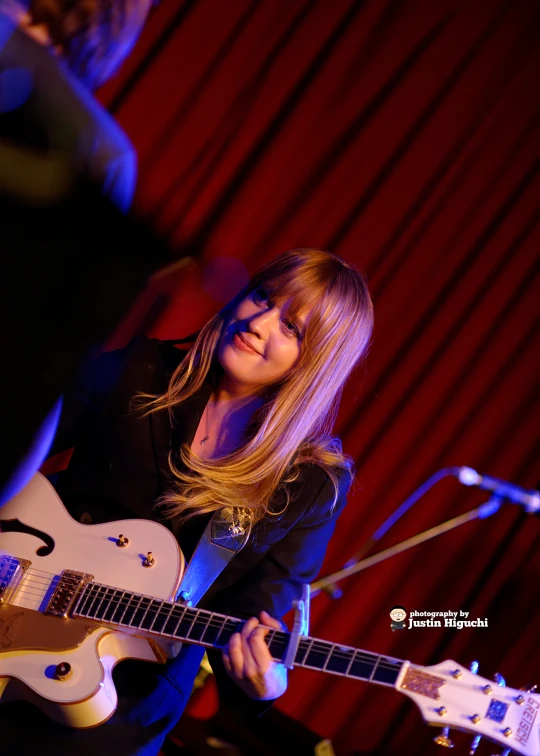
119,468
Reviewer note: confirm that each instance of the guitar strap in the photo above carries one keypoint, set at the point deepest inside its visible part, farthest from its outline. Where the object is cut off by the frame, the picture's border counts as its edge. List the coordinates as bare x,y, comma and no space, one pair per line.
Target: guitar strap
223,537
221,540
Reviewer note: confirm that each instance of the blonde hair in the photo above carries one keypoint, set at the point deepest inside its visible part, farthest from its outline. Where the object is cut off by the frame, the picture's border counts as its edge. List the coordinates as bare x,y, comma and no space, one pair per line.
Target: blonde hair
294,425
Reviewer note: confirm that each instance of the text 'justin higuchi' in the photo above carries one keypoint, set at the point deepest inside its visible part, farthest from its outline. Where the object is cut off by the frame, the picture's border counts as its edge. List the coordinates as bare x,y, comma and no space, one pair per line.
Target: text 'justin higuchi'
448,619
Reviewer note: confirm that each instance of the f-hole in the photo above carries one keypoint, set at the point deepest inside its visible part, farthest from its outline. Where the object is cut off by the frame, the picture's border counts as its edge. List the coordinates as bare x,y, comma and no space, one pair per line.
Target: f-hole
15,526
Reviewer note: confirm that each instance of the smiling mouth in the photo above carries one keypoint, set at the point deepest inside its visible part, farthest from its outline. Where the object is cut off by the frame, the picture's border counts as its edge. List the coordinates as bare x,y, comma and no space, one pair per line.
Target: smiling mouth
240,342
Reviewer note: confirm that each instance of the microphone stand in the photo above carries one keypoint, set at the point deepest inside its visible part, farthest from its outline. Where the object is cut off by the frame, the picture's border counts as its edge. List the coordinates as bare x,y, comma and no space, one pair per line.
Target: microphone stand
329,584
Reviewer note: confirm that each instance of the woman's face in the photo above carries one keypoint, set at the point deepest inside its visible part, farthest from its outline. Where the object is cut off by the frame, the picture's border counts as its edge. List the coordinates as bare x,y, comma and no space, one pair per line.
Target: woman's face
261,343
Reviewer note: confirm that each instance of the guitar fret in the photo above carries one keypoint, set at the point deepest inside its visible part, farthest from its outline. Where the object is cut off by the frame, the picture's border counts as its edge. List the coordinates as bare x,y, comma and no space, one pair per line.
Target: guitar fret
211,632
95,594
97,602
338,659
221,629
207,627
89,600
97,612
317,654
387,674
135,610
150,615
277,641
229,627
81,599
105,603
310,643
185,623
131,606
162,615
298,658
350,664
362,666
150,628
167,618
174,630
120,608
147,601
374,669
269,639
112,607
329,656
193,625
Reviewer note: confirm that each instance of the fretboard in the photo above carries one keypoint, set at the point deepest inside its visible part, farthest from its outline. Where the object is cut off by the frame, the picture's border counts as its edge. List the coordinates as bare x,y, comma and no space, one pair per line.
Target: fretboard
166,619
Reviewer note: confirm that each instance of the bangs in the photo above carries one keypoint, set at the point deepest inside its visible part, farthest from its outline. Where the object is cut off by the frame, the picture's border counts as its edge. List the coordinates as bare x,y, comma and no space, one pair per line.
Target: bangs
321,300
302,296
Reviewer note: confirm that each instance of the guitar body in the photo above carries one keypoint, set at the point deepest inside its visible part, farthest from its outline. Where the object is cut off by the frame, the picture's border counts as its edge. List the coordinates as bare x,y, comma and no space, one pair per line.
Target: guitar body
38,529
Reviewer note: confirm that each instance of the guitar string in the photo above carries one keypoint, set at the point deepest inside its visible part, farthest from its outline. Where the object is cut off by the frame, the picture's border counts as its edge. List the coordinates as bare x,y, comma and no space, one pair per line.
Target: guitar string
336,651
320,646
327,648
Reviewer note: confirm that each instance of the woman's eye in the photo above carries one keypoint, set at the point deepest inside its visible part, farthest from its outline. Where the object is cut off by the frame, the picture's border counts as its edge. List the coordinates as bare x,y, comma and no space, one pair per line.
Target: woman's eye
291,328
260,295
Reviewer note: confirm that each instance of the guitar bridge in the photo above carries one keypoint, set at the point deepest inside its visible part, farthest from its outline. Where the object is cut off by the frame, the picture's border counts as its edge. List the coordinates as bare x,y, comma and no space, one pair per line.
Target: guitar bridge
69,585
12,571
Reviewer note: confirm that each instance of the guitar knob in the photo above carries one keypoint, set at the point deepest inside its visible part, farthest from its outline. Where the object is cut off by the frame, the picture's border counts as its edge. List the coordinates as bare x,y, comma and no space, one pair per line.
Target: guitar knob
474,744
149,560
499,679
62,671
443,740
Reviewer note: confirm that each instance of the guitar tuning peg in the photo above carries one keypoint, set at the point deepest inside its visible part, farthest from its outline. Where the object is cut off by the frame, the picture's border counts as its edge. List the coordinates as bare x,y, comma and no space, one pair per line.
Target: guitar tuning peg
529,688
473,667
443,740
474,744
499,679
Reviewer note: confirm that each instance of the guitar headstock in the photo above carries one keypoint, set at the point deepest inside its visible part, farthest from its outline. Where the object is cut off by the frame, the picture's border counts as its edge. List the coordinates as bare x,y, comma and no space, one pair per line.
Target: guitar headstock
449,695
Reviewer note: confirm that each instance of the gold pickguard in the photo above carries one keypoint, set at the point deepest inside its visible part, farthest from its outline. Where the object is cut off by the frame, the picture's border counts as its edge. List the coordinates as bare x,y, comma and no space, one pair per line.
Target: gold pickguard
27,630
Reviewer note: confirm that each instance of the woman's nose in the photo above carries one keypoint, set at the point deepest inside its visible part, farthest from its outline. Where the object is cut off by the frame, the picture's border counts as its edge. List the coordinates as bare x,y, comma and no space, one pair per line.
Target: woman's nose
262,321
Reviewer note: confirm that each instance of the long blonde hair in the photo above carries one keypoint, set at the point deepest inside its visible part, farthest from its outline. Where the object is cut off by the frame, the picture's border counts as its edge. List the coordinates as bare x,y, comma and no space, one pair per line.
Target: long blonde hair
295,423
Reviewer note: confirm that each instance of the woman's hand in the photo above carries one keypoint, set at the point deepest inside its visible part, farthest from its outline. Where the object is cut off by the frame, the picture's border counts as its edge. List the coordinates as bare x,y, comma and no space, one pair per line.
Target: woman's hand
249,662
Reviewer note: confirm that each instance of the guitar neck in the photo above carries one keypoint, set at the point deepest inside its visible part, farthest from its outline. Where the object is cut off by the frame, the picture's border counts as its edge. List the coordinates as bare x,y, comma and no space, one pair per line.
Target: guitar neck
166,619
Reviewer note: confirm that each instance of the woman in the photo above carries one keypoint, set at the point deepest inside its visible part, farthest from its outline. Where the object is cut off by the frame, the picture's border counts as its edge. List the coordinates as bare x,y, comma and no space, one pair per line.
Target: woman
240,422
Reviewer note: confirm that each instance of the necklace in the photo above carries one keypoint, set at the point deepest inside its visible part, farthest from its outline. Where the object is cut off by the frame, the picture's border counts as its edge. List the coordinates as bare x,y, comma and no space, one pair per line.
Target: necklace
206,437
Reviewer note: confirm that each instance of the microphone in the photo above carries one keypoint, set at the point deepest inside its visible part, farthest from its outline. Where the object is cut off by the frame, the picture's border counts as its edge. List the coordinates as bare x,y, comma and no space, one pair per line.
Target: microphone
529,499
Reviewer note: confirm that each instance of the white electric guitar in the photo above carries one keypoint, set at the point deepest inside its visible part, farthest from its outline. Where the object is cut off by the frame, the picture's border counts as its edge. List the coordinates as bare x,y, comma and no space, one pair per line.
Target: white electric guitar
63,627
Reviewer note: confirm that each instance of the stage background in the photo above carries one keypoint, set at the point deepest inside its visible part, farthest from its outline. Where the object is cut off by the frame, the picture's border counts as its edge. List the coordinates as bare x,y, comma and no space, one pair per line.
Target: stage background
403,136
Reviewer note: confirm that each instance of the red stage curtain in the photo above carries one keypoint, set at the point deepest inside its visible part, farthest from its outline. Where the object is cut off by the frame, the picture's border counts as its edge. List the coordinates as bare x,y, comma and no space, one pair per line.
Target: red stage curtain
404,136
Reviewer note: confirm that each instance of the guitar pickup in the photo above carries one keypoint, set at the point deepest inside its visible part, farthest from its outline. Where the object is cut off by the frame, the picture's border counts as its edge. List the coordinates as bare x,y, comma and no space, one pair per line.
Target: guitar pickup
12,571
68,587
